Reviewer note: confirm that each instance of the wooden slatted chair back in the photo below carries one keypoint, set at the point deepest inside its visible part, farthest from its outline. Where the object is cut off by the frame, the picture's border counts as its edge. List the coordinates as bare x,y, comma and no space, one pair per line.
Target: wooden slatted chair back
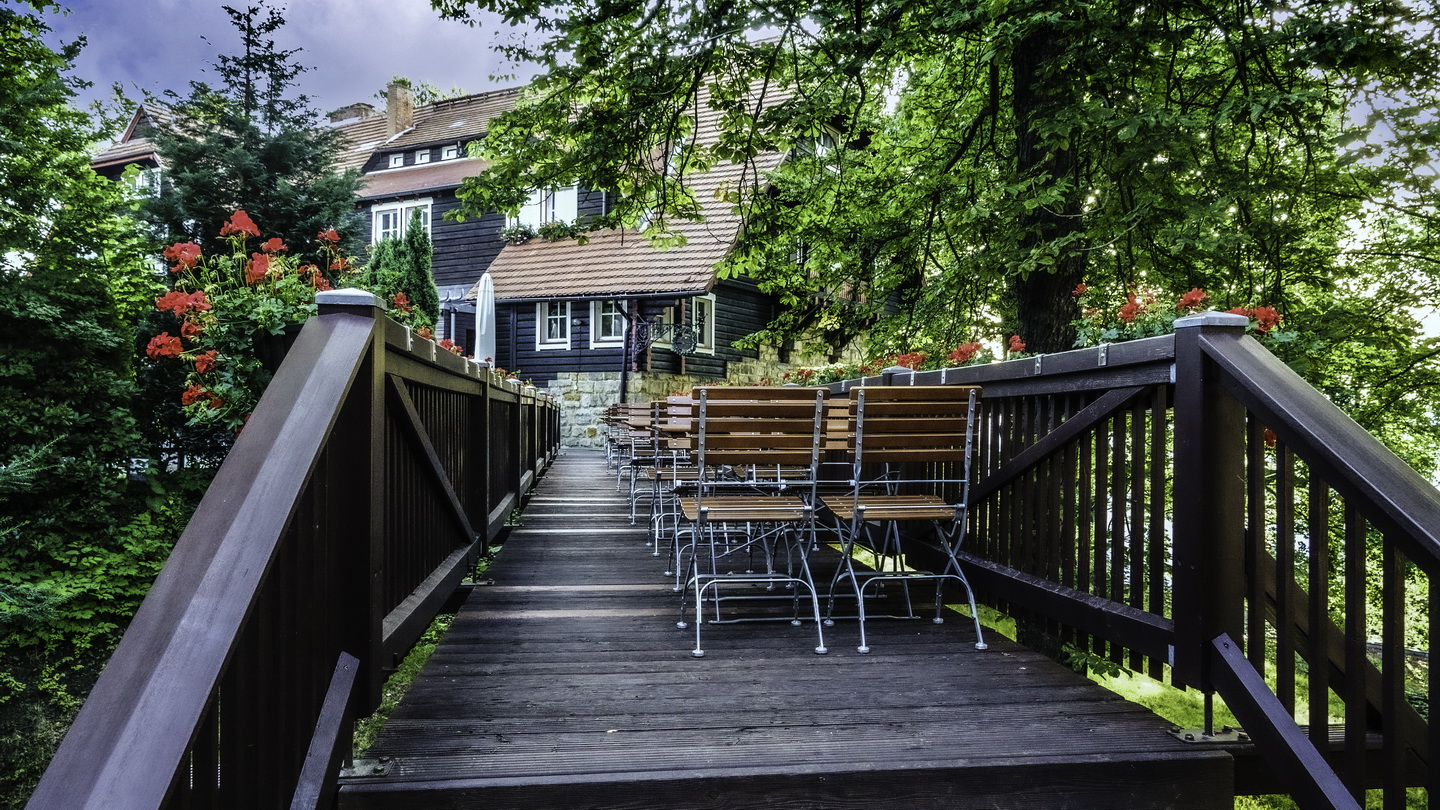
677,422
901,424
758,425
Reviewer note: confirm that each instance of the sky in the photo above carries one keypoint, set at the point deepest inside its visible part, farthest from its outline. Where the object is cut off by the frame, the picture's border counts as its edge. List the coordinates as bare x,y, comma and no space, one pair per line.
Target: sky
352,47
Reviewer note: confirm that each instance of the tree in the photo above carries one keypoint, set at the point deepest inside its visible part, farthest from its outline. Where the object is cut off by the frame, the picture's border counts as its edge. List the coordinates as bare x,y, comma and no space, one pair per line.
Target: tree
1022,148
253,144
74,277
401,267
988,158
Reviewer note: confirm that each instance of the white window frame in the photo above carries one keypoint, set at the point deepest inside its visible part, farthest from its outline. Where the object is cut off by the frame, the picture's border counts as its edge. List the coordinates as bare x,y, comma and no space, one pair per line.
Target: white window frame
598,317
397,160
705,336
380,226
667,316
546,206
547,312
450,152
422,156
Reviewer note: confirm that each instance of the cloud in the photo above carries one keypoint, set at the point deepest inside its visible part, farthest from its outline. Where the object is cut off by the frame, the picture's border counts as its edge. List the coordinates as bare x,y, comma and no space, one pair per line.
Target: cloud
352,47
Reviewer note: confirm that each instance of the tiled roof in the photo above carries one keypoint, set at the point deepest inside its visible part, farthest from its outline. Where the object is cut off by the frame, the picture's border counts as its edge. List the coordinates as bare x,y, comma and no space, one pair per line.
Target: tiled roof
132,143
622,262
414,179
450,121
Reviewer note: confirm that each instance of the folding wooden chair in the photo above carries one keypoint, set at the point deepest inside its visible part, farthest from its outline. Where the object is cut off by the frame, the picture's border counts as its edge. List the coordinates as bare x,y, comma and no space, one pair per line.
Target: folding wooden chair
909,449
746,532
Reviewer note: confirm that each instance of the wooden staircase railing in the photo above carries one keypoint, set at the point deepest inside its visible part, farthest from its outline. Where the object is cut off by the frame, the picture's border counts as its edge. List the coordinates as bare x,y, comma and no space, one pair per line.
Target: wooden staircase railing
1188,507
371,475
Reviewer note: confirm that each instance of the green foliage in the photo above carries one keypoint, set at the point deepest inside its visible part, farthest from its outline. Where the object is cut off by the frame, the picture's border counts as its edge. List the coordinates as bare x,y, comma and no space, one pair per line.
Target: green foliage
368,728
402,267
989,158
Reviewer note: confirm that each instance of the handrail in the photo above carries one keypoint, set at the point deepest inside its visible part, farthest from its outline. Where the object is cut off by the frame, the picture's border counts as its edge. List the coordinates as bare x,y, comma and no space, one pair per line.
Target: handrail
300,574
1189,507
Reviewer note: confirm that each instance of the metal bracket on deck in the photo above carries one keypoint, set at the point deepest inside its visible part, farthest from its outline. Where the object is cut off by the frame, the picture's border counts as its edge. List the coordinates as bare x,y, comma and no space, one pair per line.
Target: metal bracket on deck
367,767
1197,736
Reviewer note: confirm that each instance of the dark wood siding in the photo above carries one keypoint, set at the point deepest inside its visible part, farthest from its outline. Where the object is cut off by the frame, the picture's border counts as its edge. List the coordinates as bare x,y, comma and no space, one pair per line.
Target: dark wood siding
463,249
541,366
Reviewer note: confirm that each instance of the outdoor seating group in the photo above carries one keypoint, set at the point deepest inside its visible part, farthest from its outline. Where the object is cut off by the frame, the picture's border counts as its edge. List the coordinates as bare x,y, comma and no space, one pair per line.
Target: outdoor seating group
746,486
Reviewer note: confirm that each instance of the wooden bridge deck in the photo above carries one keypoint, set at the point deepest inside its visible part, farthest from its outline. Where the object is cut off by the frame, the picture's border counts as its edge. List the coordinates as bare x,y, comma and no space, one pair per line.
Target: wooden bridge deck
565,683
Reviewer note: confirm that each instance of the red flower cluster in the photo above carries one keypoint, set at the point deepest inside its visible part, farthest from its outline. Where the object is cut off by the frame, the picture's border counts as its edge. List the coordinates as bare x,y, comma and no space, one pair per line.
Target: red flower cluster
1016,344
178,302
257,268
910,360
1131,309
239,224
426,332
190,329
801,375
965,352
273,245
1080,289
451,346
1191,301
198,393
328,235
1267,318
205,361
185,255
402,302
164,345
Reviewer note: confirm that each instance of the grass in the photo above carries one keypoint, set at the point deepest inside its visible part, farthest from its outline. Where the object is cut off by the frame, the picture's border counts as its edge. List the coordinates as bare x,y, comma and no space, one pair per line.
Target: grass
368,728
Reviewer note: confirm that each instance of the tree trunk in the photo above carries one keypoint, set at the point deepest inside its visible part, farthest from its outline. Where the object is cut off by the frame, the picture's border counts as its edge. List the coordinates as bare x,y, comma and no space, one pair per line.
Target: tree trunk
1041,307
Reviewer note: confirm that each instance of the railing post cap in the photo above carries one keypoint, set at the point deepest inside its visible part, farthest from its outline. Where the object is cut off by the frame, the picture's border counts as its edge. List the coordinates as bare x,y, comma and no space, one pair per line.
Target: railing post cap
1212,318
348,297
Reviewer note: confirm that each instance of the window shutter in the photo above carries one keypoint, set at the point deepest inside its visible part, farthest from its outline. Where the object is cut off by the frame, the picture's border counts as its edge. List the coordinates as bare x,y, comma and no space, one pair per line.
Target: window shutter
565,204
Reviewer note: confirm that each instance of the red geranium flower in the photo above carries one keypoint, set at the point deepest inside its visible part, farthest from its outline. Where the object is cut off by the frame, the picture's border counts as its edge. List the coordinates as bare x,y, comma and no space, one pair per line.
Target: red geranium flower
451,346
273,245
1268,318
190,329
910,360
426,332
1131,309
1080,289
257,268
205,361
402,302
963,353
340,264
1249,313
175,302
1016,344
239,223
1191,300
328,235
320,283
184,254
164,345
198,301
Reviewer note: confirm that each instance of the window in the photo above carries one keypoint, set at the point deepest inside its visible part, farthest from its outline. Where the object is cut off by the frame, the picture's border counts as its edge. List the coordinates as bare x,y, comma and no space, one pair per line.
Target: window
607,323
551,205
390,220
703,320
450,153
422,156
145,182
552,325
661,337
396,161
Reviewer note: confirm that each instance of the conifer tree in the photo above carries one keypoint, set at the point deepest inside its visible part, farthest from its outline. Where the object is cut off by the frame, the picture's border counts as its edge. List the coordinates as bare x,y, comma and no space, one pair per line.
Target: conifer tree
252,143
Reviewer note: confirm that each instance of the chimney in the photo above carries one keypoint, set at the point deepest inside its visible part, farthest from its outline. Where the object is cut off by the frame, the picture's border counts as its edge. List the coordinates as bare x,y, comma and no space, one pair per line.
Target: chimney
399,108
359,109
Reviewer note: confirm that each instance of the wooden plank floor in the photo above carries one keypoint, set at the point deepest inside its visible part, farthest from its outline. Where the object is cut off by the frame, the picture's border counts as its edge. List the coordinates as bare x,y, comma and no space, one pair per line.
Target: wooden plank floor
566,684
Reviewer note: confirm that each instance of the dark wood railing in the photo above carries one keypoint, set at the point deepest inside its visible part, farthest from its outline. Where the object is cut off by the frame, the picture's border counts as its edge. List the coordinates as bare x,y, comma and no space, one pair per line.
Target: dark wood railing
1188,507
372,474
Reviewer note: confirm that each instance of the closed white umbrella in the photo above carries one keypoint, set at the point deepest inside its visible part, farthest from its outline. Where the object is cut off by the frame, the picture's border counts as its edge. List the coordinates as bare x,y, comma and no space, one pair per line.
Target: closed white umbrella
485,320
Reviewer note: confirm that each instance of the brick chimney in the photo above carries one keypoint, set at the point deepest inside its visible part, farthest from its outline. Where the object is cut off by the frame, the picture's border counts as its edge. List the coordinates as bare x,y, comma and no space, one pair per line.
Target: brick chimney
399,108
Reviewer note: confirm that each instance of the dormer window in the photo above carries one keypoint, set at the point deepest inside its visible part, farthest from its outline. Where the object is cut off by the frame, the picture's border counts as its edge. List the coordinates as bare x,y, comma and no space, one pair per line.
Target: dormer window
396,161
450,153
554,205
422,156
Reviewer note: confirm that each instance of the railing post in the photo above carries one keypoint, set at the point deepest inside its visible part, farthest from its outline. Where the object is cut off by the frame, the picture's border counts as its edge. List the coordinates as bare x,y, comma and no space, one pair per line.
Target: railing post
477,463
1209,500
358,449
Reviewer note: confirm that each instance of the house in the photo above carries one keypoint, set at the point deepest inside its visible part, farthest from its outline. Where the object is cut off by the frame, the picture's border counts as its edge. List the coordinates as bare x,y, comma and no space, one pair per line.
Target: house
614,319
621,319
